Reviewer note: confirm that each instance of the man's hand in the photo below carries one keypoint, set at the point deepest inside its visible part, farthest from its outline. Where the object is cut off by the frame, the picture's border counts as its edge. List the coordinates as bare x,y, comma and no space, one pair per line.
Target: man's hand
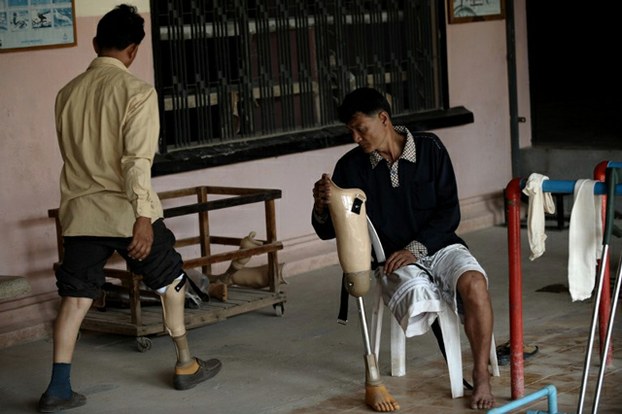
142,239
399,259
321,194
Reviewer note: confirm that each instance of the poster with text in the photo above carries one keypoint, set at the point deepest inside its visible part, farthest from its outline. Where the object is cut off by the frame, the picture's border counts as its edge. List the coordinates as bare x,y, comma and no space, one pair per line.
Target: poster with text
28,24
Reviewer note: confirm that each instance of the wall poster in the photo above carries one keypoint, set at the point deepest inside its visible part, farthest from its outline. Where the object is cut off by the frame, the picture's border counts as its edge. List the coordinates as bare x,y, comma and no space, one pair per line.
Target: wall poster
465,11
36,24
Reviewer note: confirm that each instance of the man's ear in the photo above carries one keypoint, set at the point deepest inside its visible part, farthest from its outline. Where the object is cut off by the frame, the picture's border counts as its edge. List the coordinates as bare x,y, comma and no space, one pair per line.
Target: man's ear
130,52
95,46
133,50
383,116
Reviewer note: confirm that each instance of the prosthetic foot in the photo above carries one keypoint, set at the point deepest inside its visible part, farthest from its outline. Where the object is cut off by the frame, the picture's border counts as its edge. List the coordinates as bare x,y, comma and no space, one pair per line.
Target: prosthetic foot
257,277
349,217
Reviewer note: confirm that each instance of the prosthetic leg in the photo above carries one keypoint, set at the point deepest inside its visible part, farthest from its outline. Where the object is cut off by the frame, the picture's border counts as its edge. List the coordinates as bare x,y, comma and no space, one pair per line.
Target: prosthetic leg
348,214
189,371
173,298
238,273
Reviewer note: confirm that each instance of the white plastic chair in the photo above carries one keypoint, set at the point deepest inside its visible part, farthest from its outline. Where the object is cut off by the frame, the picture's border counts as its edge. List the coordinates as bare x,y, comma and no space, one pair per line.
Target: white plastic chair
449,322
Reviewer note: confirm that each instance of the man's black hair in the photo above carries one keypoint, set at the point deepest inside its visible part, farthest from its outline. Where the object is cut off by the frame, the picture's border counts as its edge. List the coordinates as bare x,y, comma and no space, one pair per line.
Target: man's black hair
120,28
368,101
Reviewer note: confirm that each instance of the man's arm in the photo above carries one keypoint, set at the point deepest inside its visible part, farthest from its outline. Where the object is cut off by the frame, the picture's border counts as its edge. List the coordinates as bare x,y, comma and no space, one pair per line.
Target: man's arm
140,133
445,217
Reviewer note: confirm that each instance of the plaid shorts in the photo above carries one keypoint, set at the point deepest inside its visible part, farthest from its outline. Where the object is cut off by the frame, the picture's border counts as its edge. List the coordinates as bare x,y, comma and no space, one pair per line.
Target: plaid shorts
446,266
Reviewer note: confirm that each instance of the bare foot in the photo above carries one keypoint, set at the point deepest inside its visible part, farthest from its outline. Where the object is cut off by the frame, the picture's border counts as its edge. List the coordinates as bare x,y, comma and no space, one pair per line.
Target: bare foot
482,397
378,398
218,291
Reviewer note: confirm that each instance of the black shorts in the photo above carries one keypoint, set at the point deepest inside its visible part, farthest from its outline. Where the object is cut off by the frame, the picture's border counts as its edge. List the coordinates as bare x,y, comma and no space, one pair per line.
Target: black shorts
81,273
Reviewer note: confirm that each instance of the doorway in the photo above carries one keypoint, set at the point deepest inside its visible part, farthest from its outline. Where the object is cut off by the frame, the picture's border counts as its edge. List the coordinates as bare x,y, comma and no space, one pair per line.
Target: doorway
575,80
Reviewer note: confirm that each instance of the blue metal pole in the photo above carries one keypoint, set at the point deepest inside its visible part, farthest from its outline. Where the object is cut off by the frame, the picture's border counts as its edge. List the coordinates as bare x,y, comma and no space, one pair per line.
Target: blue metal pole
567,186
549,391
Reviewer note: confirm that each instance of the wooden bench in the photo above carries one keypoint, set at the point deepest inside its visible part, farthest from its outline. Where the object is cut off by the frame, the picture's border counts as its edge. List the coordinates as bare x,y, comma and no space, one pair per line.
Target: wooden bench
140,320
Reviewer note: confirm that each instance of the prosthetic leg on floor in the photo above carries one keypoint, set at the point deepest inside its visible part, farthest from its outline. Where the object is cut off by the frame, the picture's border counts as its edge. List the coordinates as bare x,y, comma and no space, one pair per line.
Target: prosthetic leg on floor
348,214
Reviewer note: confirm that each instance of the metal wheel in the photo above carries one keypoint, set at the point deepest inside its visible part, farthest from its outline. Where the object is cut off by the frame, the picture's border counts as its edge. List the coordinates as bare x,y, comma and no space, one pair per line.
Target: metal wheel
279,309
143,344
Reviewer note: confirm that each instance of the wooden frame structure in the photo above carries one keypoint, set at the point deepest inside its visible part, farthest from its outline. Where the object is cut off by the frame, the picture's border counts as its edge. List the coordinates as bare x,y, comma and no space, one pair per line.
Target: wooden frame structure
141,321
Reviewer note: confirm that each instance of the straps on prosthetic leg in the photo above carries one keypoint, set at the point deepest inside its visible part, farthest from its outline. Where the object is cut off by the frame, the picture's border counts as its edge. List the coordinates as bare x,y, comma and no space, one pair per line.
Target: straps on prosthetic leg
342,318
179,286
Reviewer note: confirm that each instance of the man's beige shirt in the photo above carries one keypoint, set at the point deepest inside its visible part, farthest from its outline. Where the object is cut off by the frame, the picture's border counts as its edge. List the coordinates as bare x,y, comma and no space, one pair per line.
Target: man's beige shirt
107,125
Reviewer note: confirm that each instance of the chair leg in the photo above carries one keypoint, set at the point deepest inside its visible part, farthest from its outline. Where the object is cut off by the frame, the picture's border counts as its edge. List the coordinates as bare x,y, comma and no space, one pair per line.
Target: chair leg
450,326
494,364
398,349
376,319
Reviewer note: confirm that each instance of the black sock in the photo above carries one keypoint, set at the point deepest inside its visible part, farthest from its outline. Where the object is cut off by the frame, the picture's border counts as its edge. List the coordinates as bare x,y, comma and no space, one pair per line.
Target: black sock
60,386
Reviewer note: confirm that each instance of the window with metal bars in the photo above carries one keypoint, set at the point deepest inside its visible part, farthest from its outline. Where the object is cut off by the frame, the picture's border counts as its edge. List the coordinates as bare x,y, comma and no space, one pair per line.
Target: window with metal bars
246,79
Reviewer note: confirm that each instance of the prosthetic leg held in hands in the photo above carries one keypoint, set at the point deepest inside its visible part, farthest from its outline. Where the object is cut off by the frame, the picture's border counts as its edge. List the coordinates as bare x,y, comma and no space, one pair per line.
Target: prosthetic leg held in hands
348,214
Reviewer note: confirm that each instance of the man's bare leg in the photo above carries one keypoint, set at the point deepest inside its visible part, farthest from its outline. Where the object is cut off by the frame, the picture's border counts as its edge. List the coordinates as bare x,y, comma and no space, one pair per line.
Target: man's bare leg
379,399
59,395
478,327
67,326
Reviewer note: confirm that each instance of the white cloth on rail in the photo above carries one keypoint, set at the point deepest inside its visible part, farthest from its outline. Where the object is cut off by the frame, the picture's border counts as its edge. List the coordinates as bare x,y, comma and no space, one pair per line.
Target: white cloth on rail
539,203
584,240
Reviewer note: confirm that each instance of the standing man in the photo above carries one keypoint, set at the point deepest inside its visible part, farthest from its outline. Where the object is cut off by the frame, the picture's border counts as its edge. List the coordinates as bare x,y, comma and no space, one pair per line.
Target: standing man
107,125
412,201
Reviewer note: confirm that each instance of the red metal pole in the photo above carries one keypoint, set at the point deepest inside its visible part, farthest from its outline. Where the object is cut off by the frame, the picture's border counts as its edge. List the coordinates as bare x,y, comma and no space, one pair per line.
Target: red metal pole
512,197
605,297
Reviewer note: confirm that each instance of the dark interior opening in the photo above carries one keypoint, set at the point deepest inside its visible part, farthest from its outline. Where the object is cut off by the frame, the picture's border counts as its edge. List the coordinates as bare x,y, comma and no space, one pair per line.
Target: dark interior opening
574,72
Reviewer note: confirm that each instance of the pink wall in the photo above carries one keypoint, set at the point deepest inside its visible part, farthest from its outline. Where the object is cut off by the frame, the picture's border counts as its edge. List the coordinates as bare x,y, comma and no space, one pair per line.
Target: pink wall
31,163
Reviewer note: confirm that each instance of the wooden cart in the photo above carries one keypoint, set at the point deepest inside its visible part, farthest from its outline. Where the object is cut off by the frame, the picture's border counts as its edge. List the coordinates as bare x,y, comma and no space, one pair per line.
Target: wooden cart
141,321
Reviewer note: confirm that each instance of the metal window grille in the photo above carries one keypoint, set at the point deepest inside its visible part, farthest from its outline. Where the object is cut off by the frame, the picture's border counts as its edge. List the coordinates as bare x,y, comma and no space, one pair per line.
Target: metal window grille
242,69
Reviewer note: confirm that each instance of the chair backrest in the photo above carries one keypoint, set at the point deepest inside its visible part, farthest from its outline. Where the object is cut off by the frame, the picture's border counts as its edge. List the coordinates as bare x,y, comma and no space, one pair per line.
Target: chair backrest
375,242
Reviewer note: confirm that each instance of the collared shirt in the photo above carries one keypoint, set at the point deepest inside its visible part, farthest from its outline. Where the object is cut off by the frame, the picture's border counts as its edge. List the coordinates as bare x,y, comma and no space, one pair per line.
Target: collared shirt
409,153
107,125
413,203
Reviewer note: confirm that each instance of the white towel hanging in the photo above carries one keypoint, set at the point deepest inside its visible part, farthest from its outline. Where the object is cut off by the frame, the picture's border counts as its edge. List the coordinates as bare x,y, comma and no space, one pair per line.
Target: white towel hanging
584,240
539,203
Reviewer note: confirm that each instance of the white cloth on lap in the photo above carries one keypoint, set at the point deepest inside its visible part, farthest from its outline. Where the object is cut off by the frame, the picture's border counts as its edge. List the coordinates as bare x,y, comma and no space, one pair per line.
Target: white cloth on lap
412,298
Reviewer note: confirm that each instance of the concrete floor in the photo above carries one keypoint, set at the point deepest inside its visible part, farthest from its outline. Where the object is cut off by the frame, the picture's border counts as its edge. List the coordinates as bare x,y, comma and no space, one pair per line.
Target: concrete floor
306,363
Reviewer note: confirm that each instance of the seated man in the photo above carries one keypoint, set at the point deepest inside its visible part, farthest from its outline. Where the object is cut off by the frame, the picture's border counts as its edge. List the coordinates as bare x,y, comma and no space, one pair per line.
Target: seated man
412,201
